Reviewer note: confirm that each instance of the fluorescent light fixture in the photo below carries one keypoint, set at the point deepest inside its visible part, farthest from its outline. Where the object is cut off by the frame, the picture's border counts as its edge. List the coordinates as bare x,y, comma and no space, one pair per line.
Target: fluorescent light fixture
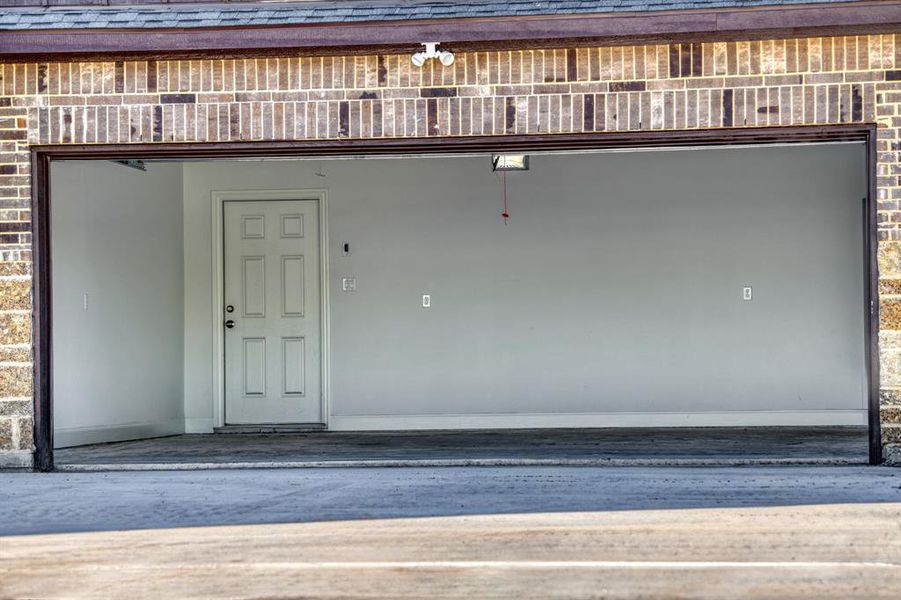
510,162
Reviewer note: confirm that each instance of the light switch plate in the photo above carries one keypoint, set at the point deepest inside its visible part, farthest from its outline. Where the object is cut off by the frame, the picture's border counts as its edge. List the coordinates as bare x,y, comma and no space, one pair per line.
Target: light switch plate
349,284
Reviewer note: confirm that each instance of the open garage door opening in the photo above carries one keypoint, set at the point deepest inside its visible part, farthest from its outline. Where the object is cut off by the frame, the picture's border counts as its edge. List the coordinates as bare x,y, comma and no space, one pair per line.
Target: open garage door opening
700,297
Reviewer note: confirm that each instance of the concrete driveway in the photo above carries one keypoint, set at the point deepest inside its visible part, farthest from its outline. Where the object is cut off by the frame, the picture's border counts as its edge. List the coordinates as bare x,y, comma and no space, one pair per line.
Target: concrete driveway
815,532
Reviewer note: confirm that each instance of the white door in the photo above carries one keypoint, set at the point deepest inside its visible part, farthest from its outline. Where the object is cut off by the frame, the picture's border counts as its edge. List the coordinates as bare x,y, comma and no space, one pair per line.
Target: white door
272,312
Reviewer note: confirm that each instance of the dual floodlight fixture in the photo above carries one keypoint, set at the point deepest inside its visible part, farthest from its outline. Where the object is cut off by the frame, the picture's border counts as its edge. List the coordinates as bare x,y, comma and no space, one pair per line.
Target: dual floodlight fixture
431,51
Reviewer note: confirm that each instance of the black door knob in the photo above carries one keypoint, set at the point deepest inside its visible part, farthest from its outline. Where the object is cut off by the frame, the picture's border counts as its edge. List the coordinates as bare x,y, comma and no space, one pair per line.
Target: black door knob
229,324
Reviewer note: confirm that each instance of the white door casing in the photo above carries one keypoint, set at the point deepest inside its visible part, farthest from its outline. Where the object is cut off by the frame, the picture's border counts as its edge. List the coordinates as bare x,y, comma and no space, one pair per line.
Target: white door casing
272,312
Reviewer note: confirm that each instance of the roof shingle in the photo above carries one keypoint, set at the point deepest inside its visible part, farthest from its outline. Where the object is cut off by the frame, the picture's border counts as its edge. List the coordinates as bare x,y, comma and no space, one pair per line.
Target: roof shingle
159,16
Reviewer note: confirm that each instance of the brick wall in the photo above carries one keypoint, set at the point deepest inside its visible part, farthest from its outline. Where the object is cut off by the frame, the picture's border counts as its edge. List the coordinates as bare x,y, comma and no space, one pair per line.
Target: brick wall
654,87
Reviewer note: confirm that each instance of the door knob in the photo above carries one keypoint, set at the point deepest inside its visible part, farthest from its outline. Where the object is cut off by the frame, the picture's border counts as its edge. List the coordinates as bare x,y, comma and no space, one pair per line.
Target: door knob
229,324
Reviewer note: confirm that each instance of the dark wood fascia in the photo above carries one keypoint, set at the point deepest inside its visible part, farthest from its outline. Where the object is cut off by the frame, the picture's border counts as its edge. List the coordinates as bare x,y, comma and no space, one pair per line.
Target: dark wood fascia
41,310
452,145
459,34
871,303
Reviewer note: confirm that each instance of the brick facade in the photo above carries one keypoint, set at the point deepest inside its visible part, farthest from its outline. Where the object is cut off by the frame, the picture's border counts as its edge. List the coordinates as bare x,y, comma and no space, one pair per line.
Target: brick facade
853,79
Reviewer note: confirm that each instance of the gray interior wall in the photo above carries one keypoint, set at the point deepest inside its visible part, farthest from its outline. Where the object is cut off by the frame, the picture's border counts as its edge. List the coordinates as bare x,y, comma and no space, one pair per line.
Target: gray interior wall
117,364
615,289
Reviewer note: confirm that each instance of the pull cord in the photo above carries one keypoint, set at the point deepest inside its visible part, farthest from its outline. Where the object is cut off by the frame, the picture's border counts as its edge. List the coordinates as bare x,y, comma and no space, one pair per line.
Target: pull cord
505,214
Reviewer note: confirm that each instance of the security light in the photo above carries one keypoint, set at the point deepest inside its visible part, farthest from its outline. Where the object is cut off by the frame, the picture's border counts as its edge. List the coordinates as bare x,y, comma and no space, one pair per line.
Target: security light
431,51
510,162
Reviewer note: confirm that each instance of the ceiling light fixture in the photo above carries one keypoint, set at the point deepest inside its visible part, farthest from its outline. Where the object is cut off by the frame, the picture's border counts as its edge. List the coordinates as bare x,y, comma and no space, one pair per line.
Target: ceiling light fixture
510,162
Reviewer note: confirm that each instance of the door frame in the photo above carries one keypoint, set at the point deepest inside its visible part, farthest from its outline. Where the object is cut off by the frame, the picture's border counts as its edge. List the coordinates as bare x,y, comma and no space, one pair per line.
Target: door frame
218,199
41,206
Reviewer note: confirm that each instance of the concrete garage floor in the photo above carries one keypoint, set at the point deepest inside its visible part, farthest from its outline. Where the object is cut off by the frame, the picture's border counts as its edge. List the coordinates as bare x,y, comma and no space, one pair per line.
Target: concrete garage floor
573,447
515,532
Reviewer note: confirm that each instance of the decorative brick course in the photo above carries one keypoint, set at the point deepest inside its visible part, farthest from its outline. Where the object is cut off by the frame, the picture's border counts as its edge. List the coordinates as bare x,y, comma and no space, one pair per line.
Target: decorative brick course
805,81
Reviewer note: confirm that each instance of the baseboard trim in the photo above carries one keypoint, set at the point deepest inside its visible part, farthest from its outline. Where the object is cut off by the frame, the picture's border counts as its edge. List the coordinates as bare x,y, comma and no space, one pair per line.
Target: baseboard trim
584,420
273,428
16,459
199,426
81,436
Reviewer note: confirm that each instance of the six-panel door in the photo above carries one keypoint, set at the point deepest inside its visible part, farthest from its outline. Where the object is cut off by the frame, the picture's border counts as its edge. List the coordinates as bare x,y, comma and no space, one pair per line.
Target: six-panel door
272,312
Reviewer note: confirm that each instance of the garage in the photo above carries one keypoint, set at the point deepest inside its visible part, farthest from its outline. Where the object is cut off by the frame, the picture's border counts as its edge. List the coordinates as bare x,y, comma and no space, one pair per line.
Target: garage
716,287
